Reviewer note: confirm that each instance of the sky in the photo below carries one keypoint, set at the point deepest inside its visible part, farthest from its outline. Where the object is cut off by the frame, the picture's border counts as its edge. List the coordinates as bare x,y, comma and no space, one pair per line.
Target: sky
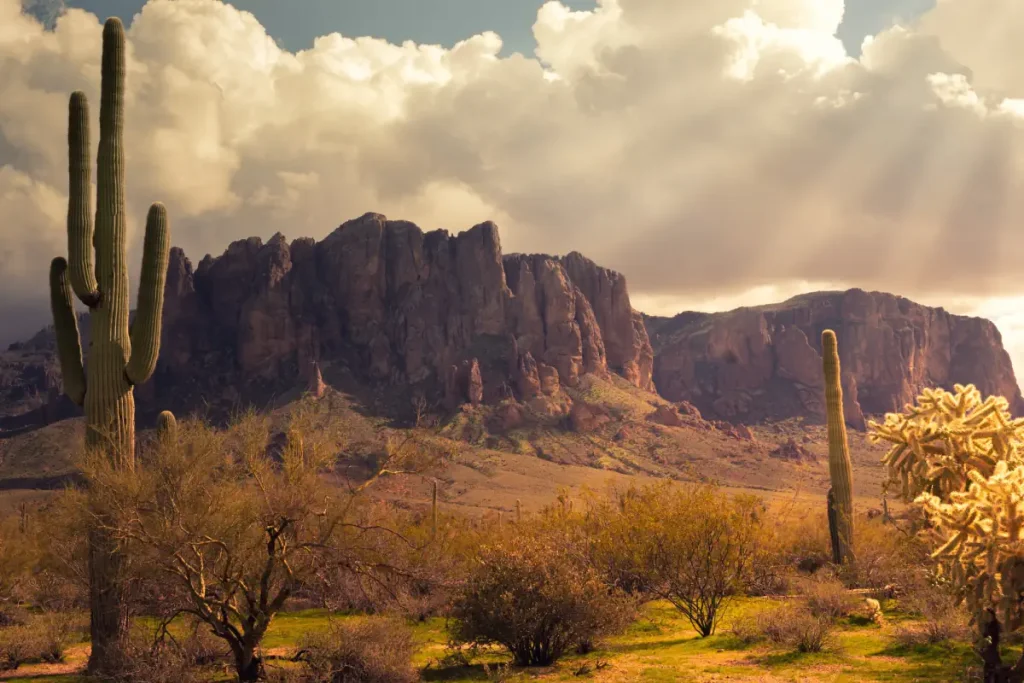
294,25
719,154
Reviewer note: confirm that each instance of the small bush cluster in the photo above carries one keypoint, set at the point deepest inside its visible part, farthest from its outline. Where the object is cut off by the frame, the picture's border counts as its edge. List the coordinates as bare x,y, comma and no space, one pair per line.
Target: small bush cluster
795,627
827,598
36,638
941,620
373,650
535,595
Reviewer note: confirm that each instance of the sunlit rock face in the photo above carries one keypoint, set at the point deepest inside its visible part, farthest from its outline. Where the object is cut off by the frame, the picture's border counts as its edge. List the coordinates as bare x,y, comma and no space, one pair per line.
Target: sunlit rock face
765,362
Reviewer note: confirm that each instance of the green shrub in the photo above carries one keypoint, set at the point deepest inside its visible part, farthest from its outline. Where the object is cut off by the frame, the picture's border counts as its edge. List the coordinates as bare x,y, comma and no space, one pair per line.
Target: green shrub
536,595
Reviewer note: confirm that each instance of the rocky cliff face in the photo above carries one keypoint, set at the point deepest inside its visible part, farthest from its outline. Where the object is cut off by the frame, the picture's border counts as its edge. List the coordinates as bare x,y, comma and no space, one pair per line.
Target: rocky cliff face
431,314
394,311
756,363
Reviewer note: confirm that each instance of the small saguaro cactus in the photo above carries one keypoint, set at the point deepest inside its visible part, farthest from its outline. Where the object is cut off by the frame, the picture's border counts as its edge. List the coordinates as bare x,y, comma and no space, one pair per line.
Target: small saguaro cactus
519,511
167,427
120,356
839,467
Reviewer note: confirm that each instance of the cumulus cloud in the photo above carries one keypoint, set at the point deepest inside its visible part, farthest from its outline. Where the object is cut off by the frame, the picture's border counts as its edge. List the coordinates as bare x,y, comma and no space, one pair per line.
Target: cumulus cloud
706,149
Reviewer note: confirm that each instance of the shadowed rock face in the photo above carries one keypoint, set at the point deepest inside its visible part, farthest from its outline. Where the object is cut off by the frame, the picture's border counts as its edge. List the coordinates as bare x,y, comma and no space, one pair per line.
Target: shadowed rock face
392,307
757,363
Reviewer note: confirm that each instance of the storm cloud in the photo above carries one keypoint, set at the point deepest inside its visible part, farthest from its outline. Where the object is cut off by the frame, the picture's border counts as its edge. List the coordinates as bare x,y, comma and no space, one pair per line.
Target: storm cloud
712,151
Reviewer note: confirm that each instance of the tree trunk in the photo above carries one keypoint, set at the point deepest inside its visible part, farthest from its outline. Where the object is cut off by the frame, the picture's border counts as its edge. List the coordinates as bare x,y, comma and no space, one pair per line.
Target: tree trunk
248,666
108,605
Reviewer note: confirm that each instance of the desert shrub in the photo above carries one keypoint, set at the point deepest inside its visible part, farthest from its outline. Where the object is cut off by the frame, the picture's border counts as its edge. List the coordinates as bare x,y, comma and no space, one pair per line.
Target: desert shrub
423,569
498,673
13,616
930,632
810,633
37,638
773,623
827,597
56,631
747,631
535,594
796,627
689,544
609,523
800,538
198,645
887,556
60,582
161,657
770,572
941,619
19,556
19,645
56,592
372,650
698,544
162,662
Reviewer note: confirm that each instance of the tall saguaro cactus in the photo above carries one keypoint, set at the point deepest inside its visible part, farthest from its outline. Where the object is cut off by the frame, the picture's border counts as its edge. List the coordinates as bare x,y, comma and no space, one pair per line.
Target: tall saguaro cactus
120,357
841,472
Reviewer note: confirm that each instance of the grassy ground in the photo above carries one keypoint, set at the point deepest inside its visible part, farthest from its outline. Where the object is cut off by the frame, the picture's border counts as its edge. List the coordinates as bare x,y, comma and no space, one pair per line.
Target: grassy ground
660,646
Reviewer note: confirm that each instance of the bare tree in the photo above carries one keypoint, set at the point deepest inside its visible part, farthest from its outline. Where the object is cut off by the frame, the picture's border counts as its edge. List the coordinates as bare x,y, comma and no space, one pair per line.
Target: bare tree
239,527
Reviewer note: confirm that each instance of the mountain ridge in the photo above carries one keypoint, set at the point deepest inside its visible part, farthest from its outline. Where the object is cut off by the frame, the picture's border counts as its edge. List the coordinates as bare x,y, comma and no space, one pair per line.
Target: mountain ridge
407,320
760,362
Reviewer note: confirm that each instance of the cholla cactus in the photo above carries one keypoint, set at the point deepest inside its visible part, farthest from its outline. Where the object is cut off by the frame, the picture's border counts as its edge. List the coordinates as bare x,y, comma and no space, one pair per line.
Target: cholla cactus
938,442
874,611
982,541
960,458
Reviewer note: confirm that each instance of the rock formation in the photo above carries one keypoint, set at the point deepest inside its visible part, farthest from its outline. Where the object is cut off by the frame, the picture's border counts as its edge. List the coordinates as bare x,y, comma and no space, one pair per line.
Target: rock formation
391,306
384,306
764,363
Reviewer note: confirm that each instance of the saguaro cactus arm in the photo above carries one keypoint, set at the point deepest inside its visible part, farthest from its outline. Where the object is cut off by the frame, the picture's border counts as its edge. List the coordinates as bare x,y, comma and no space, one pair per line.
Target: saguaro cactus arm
145,334
80,226
65,324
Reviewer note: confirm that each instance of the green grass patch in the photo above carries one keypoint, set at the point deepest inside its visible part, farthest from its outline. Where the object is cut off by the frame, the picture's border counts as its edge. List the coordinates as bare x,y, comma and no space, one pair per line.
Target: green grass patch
662,646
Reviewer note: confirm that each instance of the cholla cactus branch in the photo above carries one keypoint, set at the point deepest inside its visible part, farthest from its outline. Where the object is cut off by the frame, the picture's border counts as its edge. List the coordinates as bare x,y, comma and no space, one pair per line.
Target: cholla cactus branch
981,531
936,443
